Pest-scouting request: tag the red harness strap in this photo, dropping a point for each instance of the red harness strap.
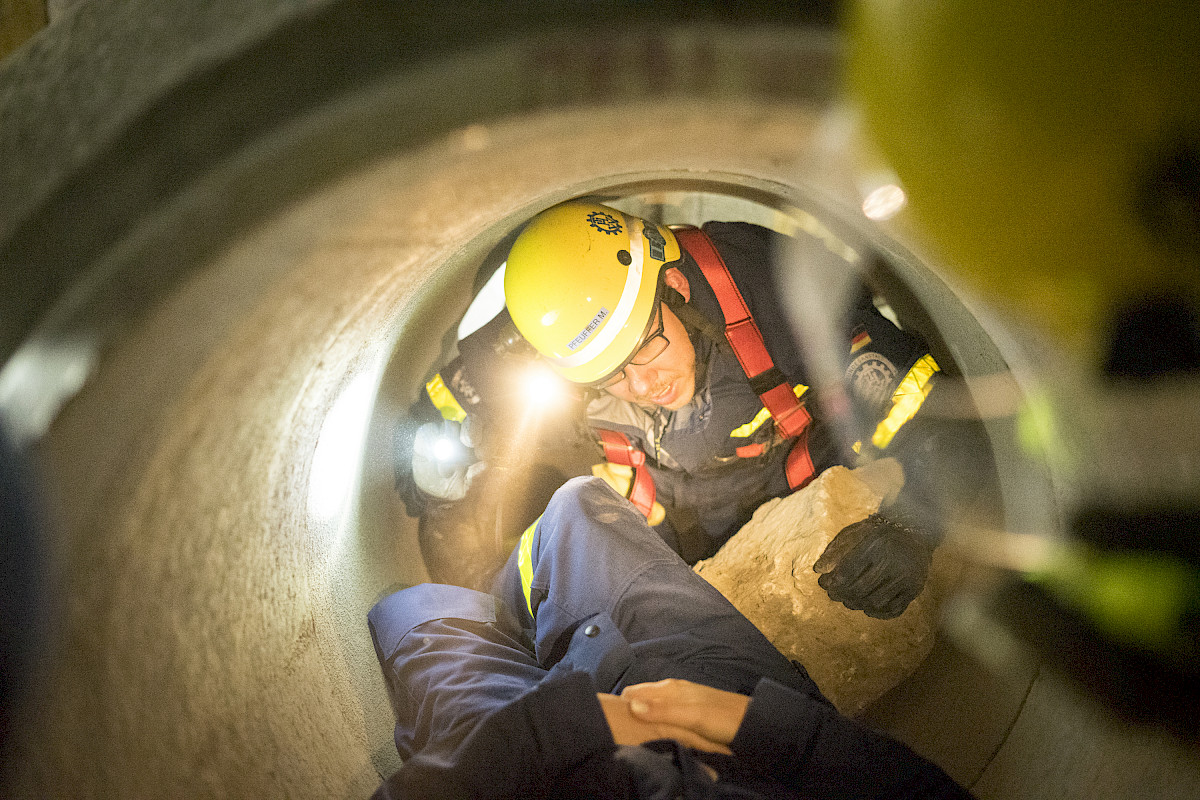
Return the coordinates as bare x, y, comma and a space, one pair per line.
777, 395
619, 450
790, 416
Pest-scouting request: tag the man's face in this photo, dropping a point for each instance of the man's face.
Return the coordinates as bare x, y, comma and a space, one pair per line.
669, 380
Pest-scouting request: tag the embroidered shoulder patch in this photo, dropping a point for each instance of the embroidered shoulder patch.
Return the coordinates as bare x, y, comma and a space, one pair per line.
871, 377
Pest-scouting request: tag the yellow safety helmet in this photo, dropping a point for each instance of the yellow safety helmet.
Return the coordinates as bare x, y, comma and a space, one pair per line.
581, 285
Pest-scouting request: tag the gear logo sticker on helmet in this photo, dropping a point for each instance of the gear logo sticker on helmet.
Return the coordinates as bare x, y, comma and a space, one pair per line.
605, 223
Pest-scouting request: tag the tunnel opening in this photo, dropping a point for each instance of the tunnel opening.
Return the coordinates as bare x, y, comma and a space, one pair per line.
548, 448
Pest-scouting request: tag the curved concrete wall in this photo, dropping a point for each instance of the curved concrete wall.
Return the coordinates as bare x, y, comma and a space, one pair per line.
224, 281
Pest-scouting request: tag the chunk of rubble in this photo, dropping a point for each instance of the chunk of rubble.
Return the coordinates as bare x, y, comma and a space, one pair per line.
766, 571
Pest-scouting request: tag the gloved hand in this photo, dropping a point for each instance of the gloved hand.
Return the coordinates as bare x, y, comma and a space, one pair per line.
876, 566
620, 477
443, 459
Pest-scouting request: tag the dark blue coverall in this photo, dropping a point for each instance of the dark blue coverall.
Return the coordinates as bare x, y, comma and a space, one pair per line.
492, 700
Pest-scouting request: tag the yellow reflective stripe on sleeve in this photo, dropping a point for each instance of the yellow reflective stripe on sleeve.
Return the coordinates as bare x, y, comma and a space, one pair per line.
743, 431
525, 563
906, 400
443, 400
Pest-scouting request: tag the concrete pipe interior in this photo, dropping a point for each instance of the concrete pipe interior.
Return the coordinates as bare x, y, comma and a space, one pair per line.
212, 404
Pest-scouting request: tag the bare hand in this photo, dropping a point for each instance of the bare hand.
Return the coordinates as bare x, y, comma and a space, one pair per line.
712, 714
628, 729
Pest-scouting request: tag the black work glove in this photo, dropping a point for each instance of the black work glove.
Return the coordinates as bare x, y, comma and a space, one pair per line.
876, 566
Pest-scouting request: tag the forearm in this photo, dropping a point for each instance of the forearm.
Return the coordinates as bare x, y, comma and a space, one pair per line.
804, 743
529, 748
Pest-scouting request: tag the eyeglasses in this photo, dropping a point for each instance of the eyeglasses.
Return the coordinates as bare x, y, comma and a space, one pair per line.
651, 348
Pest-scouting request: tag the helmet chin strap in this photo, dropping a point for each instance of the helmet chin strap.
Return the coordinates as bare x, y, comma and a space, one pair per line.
697, 325
691, 317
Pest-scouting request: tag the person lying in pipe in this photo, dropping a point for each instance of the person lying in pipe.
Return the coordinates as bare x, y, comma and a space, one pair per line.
601, 665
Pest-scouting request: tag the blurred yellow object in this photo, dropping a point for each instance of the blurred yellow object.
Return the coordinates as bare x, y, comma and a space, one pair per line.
1050, 152
620, 477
